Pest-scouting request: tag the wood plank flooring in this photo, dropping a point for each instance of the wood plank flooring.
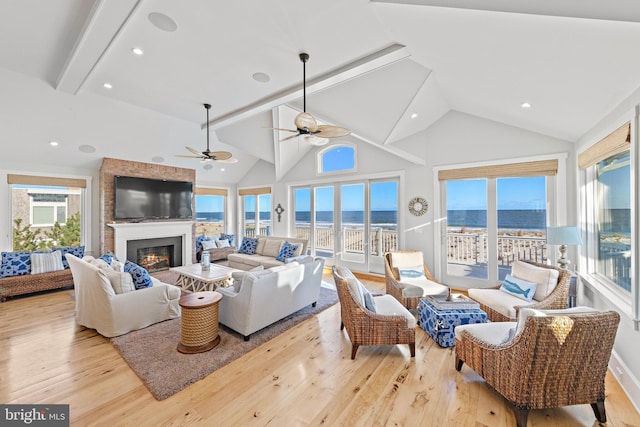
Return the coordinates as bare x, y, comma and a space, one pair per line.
303, 377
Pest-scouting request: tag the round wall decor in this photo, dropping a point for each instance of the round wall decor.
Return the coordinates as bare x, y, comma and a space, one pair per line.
418, 206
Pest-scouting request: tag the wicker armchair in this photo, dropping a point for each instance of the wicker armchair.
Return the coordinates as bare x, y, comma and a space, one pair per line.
556, 300
555, 361
399, 290
365, 327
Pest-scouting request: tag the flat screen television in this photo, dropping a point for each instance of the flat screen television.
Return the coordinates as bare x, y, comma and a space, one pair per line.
146, 199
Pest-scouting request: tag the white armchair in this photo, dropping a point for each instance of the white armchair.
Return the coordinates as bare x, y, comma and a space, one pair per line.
99, 307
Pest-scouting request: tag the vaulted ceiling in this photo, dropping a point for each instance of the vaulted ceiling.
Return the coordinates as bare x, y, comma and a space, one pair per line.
373, 65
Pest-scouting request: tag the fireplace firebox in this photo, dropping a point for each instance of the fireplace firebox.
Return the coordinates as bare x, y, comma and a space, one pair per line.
156, 254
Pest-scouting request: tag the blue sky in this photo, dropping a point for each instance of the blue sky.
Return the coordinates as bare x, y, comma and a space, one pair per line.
383, 197
513, 194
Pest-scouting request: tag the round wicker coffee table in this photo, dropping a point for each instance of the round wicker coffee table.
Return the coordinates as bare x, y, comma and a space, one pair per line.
199, 322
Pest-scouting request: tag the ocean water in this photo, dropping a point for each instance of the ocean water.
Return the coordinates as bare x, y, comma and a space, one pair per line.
349, 217
509, 219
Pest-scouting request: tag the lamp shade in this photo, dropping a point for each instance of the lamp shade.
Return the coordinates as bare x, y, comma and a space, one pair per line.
565, 235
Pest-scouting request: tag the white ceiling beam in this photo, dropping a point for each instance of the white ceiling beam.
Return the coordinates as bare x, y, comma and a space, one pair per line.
381, 58
104, 23
611, 10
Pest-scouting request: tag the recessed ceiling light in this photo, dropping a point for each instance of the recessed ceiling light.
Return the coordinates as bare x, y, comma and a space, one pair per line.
207, 166
53, 143
137, 51
261, 77
221, 169
162, 22
525, 105
108, 86
157, 159
414, 115
87, 148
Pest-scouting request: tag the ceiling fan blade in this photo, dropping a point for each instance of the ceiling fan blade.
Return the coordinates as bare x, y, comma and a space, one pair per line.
194, 151
306, 121
328, 131
289, 137
219, 155
189, 157
284, 130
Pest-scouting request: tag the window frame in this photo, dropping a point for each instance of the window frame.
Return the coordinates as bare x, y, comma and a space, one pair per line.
216, 192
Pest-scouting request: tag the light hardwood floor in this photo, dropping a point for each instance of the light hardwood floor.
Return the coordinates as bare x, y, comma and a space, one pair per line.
303, 377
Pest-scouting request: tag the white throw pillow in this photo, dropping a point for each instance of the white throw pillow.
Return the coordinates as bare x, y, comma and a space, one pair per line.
223, 243
117, 265
209, 244
121, 282
238, 277
272, 248
545, 278
46, 262
518, 287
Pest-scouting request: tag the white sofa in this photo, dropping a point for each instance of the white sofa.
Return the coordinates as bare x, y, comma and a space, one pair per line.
266, 296
266, 253
99, 307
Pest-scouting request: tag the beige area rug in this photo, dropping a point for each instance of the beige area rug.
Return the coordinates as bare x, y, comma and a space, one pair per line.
152, 353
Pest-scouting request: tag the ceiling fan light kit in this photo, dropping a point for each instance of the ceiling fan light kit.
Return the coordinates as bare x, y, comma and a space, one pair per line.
208, 155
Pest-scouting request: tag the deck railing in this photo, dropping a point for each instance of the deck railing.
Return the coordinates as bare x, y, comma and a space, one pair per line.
471, 249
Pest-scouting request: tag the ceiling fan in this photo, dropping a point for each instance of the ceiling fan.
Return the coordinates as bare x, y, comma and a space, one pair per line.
306, 124
208, 155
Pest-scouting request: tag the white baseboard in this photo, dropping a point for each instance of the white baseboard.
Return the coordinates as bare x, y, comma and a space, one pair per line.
629, 383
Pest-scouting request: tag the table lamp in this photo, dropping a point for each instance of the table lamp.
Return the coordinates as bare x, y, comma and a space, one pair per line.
563, 236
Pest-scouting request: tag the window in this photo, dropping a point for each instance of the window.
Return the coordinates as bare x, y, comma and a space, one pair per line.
211, 211
47, 212
256, 211
494, 215
337, 158
608, 213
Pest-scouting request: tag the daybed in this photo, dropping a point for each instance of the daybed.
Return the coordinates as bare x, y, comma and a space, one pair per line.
260, 298
265, 252
216, 250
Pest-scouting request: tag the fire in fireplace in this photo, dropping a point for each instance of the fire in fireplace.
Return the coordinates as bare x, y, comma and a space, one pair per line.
155, 258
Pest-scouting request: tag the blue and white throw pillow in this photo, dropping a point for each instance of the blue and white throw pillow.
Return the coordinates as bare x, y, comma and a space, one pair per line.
15, 264
248, 246
411, 272
141, 278
518, 288
77, 251
107, 257
286, 251
199, 241
229, 237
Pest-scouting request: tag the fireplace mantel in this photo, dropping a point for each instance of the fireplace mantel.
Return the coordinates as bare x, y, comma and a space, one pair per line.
124, 232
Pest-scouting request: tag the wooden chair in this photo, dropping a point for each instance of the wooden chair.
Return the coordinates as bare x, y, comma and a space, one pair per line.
365, 327
557, 299
557, 360
401, 291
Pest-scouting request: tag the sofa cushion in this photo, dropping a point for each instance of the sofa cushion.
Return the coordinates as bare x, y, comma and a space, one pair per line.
248, 245
46, 262
238, 277
260, 246
388, 305
269, 262
230, 237
141, 278
287, 250
545, 278
77, 251
15, 264
120, 281
518, 287
499, 301
272, 248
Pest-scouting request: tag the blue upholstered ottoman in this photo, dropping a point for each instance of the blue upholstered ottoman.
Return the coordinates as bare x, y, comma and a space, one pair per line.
439, 323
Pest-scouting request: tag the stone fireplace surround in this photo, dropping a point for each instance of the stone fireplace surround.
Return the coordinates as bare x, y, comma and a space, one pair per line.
109, 228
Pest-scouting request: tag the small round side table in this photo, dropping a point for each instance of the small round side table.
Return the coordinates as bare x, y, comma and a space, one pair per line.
199, 322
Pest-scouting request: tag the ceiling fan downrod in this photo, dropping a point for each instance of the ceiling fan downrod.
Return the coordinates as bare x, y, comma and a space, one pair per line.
304, 57
207, 106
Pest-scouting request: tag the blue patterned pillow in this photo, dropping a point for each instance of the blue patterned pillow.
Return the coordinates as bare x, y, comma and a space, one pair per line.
199, 241
77, 251
248, 246
229, 237
286, 251
141, 278
15, 264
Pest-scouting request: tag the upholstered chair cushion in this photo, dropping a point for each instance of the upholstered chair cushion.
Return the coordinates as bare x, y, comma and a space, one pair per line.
545, 278
389, 306
499, 301
495, 333
406, 259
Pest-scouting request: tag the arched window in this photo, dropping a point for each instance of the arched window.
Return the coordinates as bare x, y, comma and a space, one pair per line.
337, 158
